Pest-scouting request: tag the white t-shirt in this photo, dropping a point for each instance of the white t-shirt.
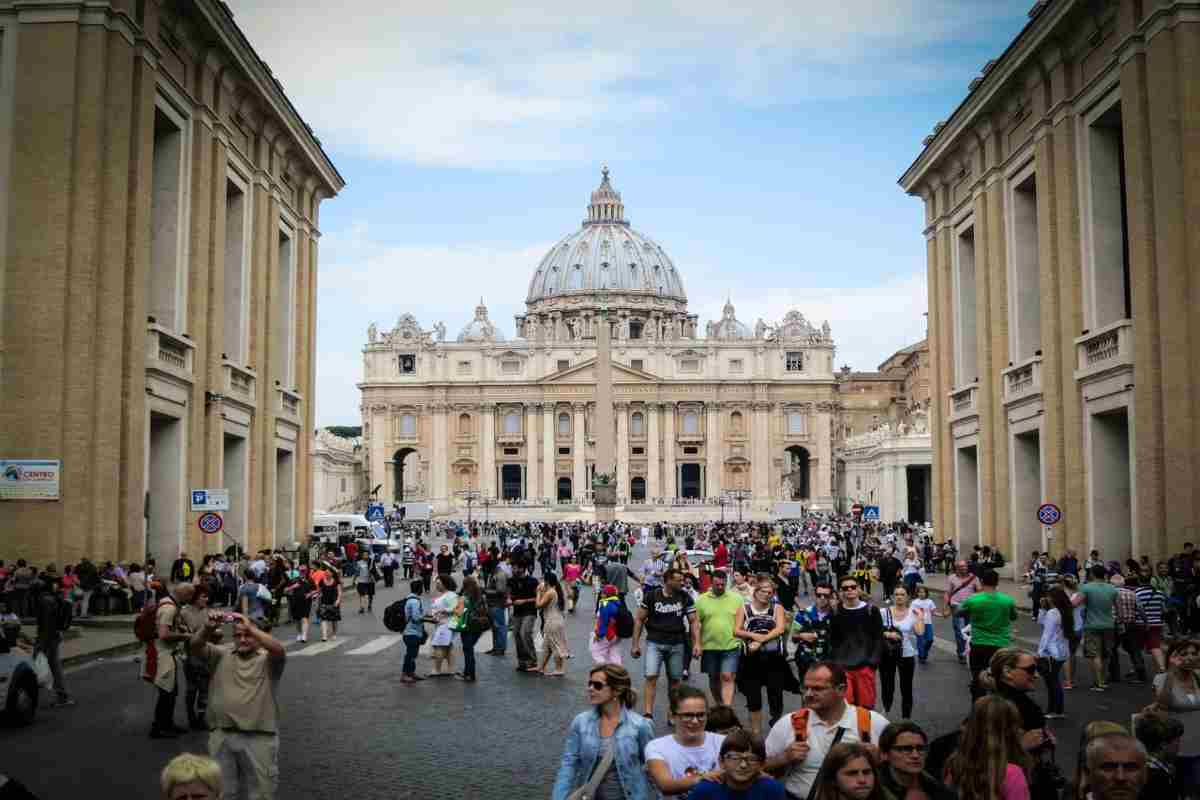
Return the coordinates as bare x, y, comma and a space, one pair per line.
907, 628
927, 607
800, 777
683, 761
1183, 701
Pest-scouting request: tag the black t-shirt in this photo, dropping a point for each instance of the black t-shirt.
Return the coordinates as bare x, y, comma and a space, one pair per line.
445, 563
1032, 716
523, 589
665, 616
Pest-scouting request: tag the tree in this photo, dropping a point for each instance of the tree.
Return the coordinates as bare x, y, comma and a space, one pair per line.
346, 431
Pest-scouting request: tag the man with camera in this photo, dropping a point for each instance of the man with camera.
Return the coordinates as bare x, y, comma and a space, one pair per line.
243, 708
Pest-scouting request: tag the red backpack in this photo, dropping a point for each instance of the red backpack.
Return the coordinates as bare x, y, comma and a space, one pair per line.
145, 627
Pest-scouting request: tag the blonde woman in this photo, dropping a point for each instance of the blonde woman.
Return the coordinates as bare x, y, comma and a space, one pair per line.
188, 776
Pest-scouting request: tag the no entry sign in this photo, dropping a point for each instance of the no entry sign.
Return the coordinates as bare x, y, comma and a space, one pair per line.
1049, 514
210, 522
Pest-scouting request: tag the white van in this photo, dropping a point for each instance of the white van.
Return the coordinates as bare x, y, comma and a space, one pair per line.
330, 526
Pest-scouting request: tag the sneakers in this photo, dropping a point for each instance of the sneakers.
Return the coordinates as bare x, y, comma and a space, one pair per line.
1056, 716
63, 702
1099, 688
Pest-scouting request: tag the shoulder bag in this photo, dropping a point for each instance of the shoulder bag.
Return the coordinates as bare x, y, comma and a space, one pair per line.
588, 790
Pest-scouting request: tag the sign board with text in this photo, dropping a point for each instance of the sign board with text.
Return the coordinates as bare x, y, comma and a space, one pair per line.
30, 479
210, 499
870, 514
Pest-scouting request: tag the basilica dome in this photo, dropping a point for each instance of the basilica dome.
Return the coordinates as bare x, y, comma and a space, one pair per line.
606, 255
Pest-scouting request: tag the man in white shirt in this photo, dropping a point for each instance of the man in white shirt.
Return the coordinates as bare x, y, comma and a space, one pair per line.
797, 759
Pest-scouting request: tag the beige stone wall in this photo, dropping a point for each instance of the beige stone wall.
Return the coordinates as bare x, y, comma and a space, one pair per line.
1111, 396
81, 368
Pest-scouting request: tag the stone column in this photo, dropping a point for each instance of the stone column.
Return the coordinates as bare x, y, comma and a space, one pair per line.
531, 420
712, 446
671, 487
623, 487
549, 453
822, 487
579, 476
379, 432
653, 468
439, 449
487, 450
760, 452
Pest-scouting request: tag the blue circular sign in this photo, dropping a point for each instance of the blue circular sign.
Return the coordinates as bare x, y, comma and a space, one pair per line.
1049, 514
210, 522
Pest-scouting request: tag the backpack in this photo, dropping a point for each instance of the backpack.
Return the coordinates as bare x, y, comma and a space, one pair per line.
145, 627
395, 617
478, 617
800, 724
64, 615
624, 621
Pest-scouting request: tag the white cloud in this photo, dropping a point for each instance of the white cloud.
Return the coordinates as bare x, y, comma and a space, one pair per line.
363, 280
480, 84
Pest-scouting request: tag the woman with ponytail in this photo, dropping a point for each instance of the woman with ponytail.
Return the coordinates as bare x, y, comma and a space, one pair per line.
605, 751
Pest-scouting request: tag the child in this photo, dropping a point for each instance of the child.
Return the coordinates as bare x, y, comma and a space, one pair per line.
863, 575
928, 609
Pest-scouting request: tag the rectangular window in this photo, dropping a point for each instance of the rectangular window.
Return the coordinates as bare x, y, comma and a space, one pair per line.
795, 361
464, 368
284, 303
510, 366
408, 364
639, 451
564, 451
635, 329
735, 366
637, 363
236, 285
408, 425
343, 484
1108, 237
166, 219
512, 451
965, 338
689, 365
1025, 309
563, 364
795, 423
691, 451
512, 423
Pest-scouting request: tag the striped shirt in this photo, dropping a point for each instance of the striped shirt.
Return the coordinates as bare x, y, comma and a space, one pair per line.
1151, 605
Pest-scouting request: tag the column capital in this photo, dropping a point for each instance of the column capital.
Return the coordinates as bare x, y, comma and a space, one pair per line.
761, 406
379, 408
579, 408
487, 406
534, 407
621, 405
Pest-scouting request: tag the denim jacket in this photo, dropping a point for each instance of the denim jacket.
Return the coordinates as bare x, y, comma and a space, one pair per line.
583, 748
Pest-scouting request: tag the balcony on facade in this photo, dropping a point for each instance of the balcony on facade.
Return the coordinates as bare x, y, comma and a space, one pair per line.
1104, 351
964, 402
1022, 381
289, 404
239, 383
169, 353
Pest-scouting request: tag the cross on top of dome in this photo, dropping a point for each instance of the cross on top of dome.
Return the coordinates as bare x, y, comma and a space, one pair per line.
606, 206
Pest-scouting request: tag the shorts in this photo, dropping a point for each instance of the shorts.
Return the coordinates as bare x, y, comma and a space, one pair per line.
366, 590
860, 687
714, 662
673, 655
1098, 644
1152, 637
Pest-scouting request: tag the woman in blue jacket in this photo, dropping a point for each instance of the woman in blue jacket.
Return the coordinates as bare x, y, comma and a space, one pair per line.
609, 726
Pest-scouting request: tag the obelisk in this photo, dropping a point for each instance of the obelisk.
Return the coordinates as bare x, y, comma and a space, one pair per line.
606, 430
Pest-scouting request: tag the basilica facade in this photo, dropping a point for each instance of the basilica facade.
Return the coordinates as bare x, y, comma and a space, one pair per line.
699, 410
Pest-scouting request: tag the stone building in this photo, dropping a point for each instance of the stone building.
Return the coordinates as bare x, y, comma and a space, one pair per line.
159, 202
698, 410
337, 473
1060, 207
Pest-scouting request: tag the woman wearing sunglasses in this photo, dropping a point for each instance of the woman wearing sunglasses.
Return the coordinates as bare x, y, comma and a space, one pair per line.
742, 757
605, 753
679, 761
904, 748
1013, 675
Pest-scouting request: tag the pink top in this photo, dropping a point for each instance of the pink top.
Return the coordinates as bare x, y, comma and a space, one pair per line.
571, 572
1015, 785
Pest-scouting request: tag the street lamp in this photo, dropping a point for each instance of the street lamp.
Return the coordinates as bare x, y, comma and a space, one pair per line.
487, 503
738, 495
470, 495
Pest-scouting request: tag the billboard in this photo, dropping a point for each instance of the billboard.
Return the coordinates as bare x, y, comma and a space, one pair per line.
29, 479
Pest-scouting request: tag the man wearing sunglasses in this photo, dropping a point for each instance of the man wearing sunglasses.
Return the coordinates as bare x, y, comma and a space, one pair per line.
904, 748
810, 629
856, 642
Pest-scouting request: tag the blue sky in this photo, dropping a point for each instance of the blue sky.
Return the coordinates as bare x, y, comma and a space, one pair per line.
758, 142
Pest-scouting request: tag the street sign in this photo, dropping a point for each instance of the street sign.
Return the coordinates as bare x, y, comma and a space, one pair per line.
210, 522
375, 512
1049, 514
870, 514
210, 499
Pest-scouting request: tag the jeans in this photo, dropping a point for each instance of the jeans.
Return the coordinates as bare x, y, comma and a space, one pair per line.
469, 638
412, 645
499, 628
1051, 670
910, 583
925, 643
1129, 640
196, 695
981, 659
888, 667
164, 709
960, 643
523, 634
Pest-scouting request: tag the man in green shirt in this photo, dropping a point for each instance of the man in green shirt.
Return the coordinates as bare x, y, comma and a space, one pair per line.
991, 614
1098, 598
717, 610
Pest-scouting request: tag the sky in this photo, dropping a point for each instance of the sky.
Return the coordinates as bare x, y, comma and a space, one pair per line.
758, 142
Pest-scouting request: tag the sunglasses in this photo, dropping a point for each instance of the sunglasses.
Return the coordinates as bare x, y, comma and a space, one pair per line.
910, 749
1031, 669
693, 716
597, 685
850, 588
824, 594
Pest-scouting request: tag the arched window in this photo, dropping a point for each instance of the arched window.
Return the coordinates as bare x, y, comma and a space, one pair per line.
637, 424
464, 425
408, 425
691, 423
512, 422
735, 422
564, 424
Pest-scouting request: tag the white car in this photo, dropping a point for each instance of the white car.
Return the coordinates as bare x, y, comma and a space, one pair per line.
18, 687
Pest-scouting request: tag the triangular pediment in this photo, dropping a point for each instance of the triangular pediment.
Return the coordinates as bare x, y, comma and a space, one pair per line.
585, 372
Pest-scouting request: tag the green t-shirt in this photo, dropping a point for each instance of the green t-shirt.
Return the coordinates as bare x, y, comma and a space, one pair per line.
717, 616
991, 615
1099, 598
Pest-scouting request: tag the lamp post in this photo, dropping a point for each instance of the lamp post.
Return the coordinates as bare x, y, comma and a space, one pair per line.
738, 495
470, 495
487, 503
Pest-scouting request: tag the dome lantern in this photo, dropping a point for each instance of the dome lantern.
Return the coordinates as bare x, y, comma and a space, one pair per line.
606, 206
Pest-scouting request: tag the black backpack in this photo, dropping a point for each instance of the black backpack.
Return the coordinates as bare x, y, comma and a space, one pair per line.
624, 622
394, 617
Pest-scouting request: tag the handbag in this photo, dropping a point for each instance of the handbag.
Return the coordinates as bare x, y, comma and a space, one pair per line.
41, 668
892, 646
588, 790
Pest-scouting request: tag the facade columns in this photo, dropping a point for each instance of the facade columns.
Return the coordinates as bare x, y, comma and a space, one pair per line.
623, 485
531, 420
822, 487
760, 452
549, 431
438, 494
379, 422
671, 489
653, 467
487, 450
579, 476
712, 447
